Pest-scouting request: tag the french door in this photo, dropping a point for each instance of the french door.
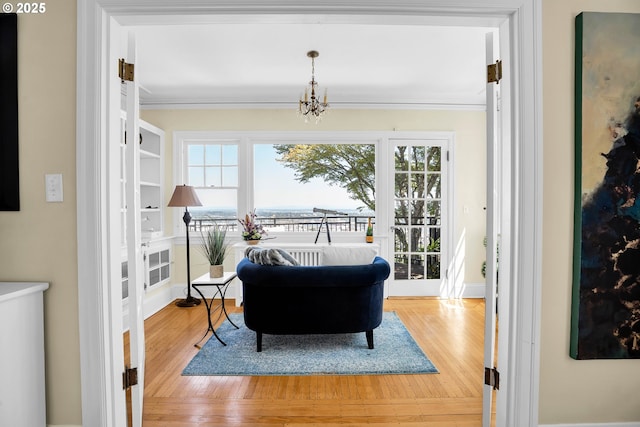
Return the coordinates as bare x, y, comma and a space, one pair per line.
420, 229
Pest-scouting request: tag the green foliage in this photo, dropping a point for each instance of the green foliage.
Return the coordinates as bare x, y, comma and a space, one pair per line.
214, 245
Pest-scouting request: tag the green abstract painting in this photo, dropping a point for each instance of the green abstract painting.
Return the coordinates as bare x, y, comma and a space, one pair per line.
605, 320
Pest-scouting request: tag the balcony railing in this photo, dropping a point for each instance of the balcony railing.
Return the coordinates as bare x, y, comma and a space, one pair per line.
296, 224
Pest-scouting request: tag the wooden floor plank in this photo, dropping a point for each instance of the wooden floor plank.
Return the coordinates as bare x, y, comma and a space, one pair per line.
449, 332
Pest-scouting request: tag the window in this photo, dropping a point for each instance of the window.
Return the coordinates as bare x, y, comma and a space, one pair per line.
291, 179
211, 167
283, 177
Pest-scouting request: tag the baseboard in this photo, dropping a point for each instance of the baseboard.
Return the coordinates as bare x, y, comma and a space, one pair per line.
63, 425
473, 290
633, 424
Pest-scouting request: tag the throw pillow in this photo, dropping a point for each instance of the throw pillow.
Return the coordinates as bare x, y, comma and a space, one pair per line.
332, 255
269, 256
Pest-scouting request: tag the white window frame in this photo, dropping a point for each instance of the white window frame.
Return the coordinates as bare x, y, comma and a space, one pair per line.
246, 141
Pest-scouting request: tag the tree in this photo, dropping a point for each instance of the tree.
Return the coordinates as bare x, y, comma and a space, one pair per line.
349, 166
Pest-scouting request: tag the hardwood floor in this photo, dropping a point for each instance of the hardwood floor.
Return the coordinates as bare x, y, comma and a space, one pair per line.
450, 333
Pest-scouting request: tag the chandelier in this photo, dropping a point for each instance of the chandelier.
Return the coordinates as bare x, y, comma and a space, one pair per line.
311, 106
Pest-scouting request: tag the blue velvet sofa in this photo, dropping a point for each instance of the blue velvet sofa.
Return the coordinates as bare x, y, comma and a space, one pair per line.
326, 299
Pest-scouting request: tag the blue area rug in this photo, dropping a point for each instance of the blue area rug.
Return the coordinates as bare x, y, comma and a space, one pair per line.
395, 352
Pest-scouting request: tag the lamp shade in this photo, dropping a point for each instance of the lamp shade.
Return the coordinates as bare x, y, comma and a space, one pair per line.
184, 195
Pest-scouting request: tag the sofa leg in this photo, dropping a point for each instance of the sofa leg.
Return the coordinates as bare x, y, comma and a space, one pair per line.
370, 339
259, 341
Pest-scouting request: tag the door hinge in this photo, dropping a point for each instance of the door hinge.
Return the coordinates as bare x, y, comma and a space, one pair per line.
494, 72
447, 155
492, 378
125, 70
129, 377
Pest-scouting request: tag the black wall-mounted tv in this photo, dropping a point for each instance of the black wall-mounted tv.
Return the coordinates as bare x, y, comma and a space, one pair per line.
9, 176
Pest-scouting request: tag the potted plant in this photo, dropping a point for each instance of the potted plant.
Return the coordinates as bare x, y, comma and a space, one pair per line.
215, 247
251, 231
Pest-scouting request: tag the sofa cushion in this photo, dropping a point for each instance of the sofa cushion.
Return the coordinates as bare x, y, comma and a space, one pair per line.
334, 255
270, 256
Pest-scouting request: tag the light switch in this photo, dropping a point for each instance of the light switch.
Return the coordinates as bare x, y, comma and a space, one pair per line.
53, 187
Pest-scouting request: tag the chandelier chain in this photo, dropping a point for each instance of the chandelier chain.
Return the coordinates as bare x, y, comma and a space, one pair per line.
311, 106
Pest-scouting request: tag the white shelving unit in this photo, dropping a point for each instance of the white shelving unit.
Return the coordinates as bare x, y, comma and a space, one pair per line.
156, 249
151, 180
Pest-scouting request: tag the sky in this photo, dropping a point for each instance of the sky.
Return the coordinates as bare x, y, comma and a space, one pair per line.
275, 186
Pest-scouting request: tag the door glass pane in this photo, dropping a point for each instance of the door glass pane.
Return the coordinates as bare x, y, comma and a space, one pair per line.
401, 244
402, 212
433, 266
417, 212
401, 160
401, 269
417, 267
402, 185
417, 158
417, 239
433, 213
433, 159
434, 239
434, 186
417, 185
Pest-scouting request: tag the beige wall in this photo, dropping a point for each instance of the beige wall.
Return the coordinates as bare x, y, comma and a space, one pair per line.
570, 391
39, 242
469, 128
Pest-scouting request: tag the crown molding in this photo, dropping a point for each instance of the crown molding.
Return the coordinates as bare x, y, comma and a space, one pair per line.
213, 105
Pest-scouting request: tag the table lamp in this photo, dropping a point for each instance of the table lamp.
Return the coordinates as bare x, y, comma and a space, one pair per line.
185, 195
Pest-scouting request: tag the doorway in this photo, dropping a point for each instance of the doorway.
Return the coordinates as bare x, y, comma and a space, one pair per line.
420, 225
99, 390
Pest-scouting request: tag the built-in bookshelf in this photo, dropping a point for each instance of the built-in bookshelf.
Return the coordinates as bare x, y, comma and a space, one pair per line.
151, 182
156, 250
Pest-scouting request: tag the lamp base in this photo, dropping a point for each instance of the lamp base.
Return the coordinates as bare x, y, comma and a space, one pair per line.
188, 302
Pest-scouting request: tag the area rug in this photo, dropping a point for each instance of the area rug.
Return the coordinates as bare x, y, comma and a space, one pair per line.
395, 352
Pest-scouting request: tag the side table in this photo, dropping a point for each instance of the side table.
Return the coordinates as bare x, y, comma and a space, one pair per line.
221, 284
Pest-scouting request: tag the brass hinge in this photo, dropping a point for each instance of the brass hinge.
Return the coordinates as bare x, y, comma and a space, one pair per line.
494, 72
125, 70
129, 377
492, 378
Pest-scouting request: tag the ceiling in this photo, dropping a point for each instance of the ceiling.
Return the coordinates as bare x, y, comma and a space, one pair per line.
265, 65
